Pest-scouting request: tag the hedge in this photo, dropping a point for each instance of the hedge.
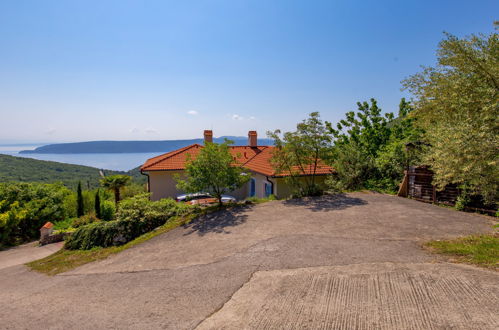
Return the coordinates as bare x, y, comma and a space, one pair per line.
136, 216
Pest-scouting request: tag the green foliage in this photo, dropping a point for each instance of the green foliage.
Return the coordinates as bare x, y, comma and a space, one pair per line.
369, 149
213, 172
97, 205
79, 201
19, 169
457, 102
25, 207
115, 183
107, 210
136, 216
302, 151
84, 220
133, 189
63, 224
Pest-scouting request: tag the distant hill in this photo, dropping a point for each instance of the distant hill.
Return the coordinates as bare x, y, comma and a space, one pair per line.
33, 170
95, 147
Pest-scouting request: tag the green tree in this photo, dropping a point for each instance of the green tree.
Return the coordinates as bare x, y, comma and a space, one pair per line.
97, 205
213, 171
115, 183
369, 147
25, 207
79, 201
302, 151
457, 103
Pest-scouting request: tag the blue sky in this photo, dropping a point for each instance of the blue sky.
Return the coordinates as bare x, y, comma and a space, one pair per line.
149, 70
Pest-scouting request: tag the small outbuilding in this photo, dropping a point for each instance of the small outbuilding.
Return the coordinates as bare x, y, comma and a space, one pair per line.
46, 230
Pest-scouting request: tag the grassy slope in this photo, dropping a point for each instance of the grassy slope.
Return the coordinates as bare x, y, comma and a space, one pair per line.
33, 170
65, 260
480, 250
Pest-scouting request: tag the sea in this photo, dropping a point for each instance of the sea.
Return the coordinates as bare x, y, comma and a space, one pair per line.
112, 161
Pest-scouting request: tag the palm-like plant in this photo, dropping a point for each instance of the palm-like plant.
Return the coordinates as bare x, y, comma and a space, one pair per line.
115, 183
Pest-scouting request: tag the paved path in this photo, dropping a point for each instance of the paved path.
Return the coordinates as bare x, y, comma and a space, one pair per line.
27, 252
205, 274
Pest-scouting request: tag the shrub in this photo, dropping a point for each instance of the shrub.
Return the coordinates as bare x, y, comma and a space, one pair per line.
136, 216
107, 210
25, 207
84, 220
64, 224
257, 200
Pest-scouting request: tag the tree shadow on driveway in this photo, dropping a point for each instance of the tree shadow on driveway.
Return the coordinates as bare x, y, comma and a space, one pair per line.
218, 222
326, 202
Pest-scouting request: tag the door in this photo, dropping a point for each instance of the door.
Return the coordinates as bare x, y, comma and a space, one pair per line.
252, 187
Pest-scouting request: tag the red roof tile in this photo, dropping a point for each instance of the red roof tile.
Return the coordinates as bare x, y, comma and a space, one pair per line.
48, 225
256, 159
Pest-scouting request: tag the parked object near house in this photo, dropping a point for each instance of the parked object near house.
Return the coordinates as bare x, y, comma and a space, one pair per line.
192, 198
264, 179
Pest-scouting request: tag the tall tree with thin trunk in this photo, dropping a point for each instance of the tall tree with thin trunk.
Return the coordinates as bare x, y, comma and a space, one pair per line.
302, 151
79, 201
97, 204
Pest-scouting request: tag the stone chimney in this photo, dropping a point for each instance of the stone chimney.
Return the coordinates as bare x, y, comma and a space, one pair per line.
208, 136
252, 139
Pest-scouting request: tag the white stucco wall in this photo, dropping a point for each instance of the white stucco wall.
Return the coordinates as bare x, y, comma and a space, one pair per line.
163, 185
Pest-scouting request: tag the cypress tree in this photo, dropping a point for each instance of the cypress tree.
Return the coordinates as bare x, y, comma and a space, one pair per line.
97, 204
79, 201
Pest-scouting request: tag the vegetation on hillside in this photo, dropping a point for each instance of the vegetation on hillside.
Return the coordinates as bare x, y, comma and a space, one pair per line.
25, 207
18, 169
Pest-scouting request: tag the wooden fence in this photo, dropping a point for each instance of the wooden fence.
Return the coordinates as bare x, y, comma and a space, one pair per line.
417, 184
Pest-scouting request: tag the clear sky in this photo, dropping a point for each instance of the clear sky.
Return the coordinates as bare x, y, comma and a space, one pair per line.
149, 70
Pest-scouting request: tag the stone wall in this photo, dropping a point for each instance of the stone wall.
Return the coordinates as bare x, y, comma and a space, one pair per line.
53, 238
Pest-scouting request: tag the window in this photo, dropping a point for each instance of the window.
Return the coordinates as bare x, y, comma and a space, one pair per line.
268, 189
252, 187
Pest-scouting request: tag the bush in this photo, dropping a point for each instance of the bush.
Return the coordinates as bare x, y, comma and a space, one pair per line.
84, 220
136, 216
107, 210
64, 224
25, 207
257, 200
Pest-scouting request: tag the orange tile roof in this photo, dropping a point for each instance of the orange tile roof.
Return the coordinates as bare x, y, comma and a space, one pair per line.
48, 225
256, 159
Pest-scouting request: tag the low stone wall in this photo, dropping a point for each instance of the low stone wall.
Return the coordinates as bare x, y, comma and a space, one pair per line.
53, 238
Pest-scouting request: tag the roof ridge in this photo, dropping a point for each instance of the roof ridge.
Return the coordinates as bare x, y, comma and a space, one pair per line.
171, 154
256, 154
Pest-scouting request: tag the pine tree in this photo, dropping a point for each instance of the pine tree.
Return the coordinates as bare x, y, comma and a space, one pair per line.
79, 201
97, 204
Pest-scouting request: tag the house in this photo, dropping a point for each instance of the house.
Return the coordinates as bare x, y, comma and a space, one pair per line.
264, 181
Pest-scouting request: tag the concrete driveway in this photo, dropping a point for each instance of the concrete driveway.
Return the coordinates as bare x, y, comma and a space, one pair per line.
27, 252
351, 261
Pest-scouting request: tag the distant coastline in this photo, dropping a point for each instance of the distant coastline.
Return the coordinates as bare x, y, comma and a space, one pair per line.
118, 147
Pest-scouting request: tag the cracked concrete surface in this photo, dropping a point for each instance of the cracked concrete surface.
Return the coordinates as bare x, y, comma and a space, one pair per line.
180, 279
